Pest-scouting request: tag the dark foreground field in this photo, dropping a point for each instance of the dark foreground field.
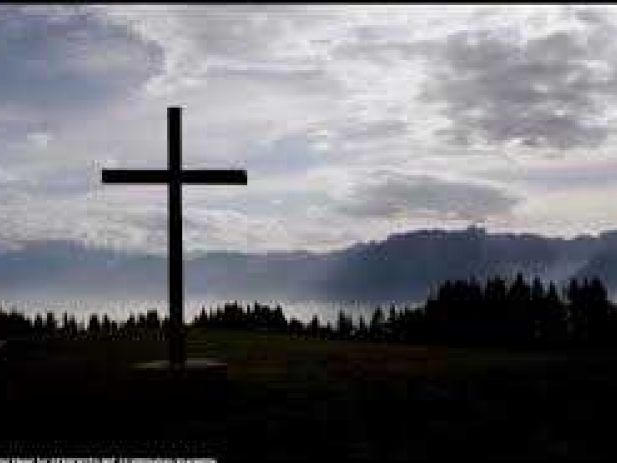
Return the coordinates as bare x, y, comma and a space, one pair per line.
291, 399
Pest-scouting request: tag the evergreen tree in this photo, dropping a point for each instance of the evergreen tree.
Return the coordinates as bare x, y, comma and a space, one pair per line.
94, 326
518, 314
344, 326
376, 329
390, 326
105, 326
538, 308
39, 327
577, 322
51, 325
296, 327
314, 327
597, 312
153, 324
362, 331
65, 324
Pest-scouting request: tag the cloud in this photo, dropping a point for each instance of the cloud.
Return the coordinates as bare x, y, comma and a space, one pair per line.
505, 85
390, 194
314, 100
52, 63
40, 139
135, 222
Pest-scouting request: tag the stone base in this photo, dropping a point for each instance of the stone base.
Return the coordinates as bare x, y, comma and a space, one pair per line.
202, 381
192, 366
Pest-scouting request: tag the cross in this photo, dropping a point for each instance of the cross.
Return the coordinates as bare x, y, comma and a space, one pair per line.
174, 176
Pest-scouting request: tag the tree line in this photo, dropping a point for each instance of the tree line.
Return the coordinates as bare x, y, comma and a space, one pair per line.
140, 326
514, 312
459, 312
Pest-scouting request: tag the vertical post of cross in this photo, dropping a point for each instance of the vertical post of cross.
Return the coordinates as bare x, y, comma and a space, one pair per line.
176, 334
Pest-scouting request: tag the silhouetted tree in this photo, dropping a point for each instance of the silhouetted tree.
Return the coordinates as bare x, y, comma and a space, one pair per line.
597, 312
51, 325
296, 327
344, 326
106, 326
39, 327
314, 327
376, 328
153, 324
552, 318
362, 331
94, 326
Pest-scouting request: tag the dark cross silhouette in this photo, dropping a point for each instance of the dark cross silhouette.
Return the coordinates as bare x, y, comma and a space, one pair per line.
174, 177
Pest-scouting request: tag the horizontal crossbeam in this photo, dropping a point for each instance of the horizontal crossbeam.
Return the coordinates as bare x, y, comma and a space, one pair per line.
135, 176
208, 176
214, 176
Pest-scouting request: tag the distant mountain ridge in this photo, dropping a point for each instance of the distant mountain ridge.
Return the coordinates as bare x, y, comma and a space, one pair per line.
403, 267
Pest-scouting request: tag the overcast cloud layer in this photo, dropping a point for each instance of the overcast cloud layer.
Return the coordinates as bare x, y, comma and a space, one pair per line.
353, 121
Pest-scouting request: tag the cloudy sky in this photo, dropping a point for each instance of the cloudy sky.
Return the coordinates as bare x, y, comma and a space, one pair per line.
353, 122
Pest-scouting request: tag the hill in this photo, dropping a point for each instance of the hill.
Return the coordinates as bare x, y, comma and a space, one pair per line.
403, 267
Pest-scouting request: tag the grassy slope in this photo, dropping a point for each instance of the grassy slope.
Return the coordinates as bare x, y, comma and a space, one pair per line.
300, 399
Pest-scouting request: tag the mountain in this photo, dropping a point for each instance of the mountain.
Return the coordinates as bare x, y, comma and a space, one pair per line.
404, 267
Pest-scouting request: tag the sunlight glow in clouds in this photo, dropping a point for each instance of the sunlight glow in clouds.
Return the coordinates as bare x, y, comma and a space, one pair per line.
353, 122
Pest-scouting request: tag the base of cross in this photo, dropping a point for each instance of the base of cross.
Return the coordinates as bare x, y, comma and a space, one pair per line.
195, 381
202, 365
